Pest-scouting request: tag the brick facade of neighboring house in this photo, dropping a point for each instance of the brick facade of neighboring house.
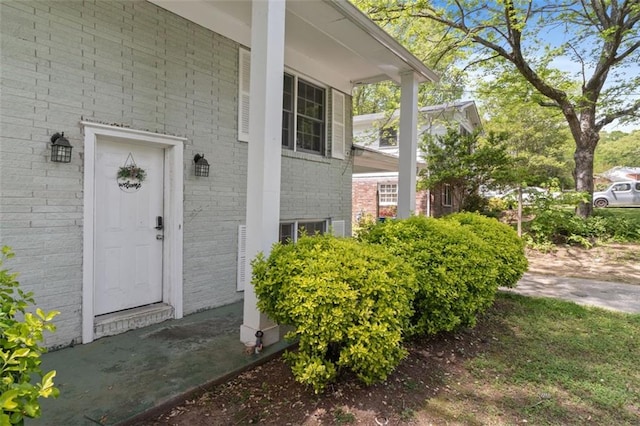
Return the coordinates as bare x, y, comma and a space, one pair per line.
366, 198
367, 187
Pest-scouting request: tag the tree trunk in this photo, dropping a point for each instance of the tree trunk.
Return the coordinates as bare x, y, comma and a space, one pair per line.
583, 157
519, 211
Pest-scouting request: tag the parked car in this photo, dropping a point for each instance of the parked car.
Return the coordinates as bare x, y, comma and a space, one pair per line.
528, 195
619, 194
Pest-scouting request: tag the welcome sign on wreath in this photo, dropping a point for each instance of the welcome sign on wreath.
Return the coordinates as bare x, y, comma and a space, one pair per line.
130, 176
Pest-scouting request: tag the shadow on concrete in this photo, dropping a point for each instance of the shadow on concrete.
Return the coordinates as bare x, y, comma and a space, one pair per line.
116, 378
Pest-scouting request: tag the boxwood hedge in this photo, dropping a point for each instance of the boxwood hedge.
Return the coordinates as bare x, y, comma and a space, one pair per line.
504, 245
458, 273
348, 302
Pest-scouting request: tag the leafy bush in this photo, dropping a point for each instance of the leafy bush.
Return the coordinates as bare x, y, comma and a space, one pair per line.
556, 226
457, 272
364, 222
20, 351
475, 202
622, 225
349, 304
495, 206
503, 242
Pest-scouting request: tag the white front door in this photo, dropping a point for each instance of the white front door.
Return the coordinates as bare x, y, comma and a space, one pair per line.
128, 247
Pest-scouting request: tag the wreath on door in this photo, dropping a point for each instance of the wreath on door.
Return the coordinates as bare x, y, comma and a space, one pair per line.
130, 175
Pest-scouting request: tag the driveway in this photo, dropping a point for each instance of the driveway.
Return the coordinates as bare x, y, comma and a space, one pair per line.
603, 294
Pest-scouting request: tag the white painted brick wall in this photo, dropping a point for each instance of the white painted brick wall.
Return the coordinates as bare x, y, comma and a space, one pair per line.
132, 64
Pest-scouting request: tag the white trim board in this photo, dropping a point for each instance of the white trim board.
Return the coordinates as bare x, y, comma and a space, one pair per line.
173, 213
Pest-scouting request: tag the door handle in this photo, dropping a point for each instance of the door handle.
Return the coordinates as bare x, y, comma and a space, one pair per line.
159, 225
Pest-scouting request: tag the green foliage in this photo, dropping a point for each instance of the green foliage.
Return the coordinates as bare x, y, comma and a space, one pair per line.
555, 222
457, 272
617, 149
424, 40
132, 172
563, 226
537, 138
364, 222
20, 351
504, 244
342, 417
464, 162
349, 304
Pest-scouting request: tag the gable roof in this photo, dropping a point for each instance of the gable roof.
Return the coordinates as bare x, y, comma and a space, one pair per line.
331, 40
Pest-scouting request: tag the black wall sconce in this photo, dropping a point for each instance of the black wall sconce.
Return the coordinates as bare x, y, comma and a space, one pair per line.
202, 165
60, 149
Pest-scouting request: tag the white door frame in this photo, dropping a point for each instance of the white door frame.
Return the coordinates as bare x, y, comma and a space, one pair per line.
173, 214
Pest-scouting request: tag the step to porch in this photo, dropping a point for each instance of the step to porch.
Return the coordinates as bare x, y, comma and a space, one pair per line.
119, 322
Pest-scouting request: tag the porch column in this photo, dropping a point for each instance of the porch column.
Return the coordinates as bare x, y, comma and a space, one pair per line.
408, 145
264, 157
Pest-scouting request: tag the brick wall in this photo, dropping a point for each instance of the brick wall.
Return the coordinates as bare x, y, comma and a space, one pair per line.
132, 64
364, 196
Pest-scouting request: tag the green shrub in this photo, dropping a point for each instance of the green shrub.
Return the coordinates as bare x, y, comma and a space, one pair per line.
503, 242
621, 225
20, 351
495, 207
457, 272
563, 226
349, 304
475, 202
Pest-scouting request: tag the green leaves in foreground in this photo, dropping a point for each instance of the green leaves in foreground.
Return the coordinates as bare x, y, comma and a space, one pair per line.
20, 351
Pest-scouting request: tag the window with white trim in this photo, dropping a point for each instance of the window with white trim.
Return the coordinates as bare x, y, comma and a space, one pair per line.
388, 137
303, 115
388, 194
446, 195
291, 231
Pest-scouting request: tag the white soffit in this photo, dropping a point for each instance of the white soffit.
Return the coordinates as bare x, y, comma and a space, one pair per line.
328, 40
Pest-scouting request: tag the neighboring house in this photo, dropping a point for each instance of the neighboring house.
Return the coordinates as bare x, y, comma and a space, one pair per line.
375, 192
620, 173
154, 86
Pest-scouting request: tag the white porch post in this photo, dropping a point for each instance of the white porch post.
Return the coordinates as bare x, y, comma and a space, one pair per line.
408, 145
265, 146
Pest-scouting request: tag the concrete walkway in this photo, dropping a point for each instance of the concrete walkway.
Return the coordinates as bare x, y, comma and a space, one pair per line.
603, 294
113, 379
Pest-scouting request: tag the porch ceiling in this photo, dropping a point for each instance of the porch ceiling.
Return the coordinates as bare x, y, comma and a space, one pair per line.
330, 40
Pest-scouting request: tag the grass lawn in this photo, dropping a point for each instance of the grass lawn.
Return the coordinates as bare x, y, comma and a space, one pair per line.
631, 214
550, 362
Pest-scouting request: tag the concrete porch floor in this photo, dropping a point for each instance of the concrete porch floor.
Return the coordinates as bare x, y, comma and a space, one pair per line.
116, 378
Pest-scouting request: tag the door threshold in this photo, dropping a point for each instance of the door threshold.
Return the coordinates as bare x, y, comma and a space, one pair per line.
118, 322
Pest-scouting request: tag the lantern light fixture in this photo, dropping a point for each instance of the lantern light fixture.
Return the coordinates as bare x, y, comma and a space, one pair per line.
60, 148
202, 165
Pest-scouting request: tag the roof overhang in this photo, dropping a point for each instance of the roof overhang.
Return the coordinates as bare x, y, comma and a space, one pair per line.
329, 40
369, 160
426, 112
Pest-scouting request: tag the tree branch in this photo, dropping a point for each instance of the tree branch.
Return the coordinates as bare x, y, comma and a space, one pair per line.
609, 118
627, 52
582, 66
